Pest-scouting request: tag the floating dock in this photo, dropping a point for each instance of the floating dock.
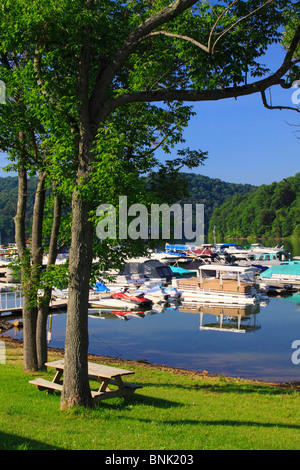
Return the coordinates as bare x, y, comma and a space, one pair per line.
12, 303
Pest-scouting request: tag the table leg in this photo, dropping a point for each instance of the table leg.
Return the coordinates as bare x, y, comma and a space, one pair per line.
120, 384
103, 384
57, 377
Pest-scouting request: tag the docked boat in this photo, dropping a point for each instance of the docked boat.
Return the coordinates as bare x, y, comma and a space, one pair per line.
6, 271
131, 298
286, 275
137, 272
231, 250
278, 253
220, 284
257, 254
157, 293
111, 303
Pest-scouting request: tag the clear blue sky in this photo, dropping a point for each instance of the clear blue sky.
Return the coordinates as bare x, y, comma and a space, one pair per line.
246, 142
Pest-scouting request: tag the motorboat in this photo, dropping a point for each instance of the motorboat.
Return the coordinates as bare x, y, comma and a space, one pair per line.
259, 251
137, 272
158, 293
111, 303
131, 298
220, 283
154, 292
6, 271
286, 275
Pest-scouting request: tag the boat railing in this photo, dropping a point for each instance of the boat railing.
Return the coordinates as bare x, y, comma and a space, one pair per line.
11, 300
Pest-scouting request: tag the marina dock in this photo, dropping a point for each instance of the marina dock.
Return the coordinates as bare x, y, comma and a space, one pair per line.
13, 306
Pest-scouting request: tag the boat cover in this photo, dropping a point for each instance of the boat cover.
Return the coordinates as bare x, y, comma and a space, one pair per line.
290, 268
100, 287
151, 269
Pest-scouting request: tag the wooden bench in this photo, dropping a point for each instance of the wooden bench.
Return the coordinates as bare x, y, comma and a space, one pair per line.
43, 384
105, 375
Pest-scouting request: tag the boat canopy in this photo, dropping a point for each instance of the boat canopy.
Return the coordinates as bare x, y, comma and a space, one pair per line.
151, 269
226, 268
178, 247
290, 268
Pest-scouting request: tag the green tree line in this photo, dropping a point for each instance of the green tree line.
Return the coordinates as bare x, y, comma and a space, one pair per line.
212, 192
201, 189
8, 206
268, 211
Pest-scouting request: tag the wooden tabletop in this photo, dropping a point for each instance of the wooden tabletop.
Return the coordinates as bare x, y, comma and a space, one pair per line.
96, 370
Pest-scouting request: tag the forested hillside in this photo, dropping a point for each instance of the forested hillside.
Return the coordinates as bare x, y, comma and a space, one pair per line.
268, 211
212, 192
202, 190
8, 206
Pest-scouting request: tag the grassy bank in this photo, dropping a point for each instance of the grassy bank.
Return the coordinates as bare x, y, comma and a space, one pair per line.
175, 410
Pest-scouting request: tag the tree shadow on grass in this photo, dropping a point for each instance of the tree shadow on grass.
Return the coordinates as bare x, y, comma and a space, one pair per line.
121, 403
14, 442
224, 423
228, 386
250, 424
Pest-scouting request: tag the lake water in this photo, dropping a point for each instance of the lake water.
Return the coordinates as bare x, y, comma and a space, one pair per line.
259, 348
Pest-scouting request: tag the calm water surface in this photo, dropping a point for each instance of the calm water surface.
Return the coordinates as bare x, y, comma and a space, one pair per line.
173, 337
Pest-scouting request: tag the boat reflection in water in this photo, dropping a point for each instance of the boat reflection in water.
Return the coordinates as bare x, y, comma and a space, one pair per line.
111, 314
234, 319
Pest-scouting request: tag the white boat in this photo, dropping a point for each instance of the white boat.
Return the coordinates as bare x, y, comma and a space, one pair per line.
111, 303
256, 253
220, 284
137, 272
158, 293
286, 275
155, 293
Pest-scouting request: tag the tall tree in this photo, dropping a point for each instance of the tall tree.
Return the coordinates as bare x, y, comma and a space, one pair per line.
33, 149
101, 95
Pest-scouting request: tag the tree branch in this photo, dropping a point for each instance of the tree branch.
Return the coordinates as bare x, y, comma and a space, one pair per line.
106, 76
216, 23
179, 36
236, 22
268, 106
211, 95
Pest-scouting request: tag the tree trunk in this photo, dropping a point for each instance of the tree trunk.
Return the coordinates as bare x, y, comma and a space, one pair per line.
43, 311
29, 337
76, 389
29, 312
41, 329
30, 269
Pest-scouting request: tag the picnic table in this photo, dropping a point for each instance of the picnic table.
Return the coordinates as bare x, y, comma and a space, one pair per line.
105, 375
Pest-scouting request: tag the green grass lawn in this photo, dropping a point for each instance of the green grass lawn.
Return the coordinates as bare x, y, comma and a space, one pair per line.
172, 411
